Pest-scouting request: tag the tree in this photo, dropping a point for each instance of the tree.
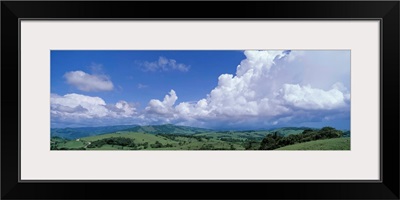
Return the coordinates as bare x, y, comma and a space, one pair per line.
157, 144
307, 131
268, 142
329, 132
274, 140
251, 145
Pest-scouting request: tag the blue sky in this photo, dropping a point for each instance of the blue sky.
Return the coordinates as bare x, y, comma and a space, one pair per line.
212, 89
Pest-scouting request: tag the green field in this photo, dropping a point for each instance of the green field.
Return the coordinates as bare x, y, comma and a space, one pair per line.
327, 144
290, 138
168, 142
71, 144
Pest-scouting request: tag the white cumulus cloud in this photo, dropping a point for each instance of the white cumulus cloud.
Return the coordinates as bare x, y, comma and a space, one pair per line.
88, 82
164, 107
77, 106
266, 88
306, 97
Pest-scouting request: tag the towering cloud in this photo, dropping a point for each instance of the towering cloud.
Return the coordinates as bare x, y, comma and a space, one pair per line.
265, 89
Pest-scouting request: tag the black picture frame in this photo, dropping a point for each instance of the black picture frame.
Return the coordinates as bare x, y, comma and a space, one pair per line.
386, 11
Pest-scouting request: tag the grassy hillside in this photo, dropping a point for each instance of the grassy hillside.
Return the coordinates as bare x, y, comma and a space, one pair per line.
170, 137
132, 135
327, 144
144, 141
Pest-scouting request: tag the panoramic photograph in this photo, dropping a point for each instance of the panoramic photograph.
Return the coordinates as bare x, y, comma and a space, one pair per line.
162, 100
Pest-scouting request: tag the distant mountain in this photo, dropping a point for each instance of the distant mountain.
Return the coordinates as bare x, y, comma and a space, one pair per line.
73, 133
167, 129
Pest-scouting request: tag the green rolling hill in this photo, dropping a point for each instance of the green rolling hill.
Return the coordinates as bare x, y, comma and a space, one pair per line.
326, 144
171, 137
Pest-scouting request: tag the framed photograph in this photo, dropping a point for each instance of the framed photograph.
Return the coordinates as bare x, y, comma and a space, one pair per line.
287, 96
